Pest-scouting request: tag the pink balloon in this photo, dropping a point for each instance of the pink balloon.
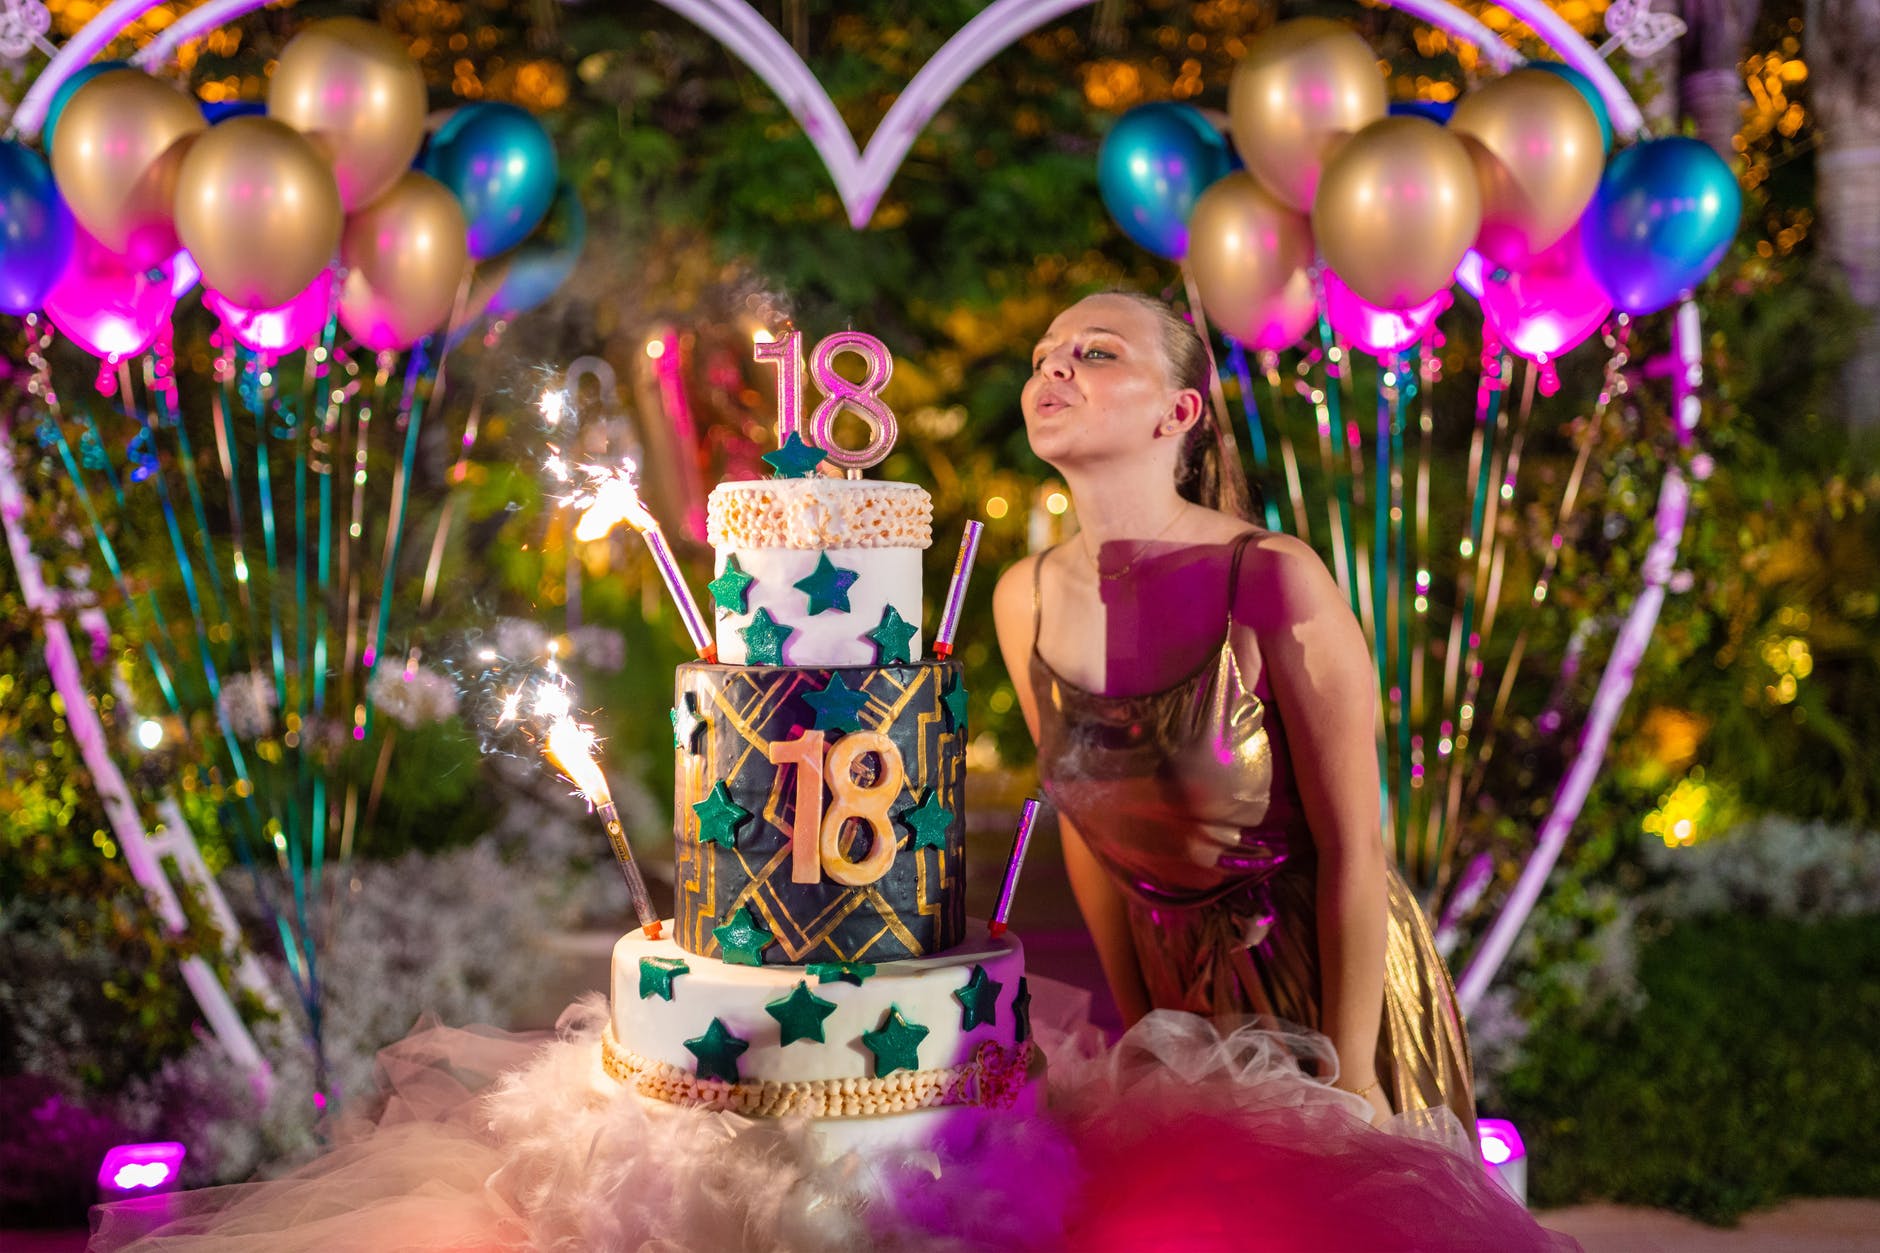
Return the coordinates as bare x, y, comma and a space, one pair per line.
106, 305
293, 325
1378, 331
1549, 306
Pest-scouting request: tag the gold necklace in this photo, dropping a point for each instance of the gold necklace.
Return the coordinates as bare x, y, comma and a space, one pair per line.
1131, 563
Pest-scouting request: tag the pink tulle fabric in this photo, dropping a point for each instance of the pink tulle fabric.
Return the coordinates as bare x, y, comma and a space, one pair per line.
1185, 1135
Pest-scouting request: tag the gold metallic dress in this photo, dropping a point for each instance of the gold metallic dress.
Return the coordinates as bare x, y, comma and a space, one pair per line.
1187, 799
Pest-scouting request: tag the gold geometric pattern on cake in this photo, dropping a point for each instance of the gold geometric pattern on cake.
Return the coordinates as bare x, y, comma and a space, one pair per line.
826, 922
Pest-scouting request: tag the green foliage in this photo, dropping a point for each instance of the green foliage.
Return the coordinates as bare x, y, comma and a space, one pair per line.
1748, 1077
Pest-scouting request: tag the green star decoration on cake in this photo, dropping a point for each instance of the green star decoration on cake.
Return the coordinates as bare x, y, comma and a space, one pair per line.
897, 1045
763, 640
657, 974
719, 817
686, 724
742, 941
1021, 1013
794, 459
731, 590
892, 638
841, 972
827, 588
837, 707
717, 1052
801, 1014
955, 702
929, 821
979, 999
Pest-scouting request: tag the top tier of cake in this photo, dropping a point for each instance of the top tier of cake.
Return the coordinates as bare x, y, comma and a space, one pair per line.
818, 571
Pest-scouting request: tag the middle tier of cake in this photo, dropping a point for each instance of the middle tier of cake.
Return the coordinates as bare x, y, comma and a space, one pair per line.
818, 813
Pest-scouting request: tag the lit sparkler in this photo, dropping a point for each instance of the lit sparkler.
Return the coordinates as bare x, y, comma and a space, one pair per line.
570, 747
611, 498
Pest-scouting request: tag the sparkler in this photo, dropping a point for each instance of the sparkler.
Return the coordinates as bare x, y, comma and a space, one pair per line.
956, 590
570, 747
611, 498
1021, 842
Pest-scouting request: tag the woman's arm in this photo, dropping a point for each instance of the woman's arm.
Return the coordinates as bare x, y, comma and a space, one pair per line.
1099, 900
1320, 673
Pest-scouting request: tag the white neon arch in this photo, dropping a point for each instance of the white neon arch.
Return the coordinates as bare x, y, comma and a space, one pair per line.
861, 175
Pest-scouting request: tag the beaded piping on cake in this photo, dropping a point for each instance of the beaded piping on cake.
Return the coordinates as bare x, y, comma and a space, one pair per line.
818, 513
993, 1079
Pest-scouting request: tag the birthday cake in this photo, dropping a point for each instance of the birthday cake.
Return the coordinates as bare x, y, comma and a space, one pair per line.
820, 961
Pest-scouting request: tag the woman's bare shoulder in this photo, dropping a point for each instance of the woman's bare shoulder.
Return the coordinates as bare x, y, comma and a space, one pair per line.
1011, 595
1283, 579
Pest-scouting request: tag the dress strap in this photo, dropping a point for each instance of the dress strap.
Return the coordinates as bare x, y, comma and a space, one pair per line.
1037, 597
1233, 575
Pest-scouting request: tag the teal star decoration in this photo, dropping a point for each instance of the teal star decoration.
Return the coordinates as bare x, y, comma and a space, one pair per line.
828, 587
892, 638
837, 707
717, 1052
897, 1045
719, 817
687, 726
801, 1014
979, 999
1021, 1013
955, 702
929, 821
794, 459
742, 940
657, 974
763, 640
731, 590
841, 972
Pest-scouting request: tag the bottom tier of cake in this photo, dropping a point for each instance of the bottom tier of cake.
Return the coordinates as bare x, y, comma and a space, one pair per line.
905, 1053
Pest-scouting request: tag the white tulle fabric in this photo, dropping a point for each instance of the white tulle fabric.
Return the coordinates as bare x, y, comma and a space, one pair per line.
1184, 1135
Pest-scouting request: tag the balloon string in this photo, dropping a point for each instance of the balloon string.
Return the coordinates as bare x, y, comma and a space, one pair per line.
420, 375
1429, 370
1323, 412
1399, 602
1256, 435
185, 567
315, 455
1289, 456
222, 406
354, 538
1380, 590
263, 381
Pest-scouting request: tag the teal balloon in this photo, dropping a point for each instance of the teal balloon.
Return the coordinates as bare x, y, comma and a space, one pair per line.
1153, 165
1663, 217
35, 229
500, 164
542, 264
69, 88
1588, 92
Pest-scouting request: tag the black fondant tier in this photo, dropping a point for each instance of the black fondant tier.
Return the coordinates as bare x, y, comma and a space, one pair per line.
739, 871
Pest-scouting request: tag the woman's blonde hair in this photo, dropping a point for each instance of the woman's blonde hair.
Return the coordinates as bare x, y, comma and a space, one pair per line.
1208, 469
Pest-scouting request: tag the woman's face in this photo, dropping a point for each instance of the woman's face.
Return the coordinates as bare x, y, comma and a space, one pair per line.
1099, 386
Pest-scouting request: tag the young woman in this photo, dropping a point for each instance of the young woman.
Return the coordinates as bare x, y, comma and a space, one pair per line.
1204, 708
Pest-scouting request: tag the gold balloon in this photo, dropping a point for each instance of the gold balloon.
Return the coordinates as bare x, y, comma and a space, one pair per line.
406, 256
1396, 211
258, 209
351, 87
1303, 88
115, 155
1250, 257
1538, 157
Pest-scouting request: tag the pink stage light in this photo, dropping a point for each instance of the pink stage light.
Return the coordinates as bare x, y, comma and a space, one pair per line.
1504, 1156
141, 1168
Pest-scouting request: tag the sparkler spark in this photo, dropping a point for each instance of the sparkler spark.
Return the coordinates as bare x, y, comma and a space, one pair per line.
610, 498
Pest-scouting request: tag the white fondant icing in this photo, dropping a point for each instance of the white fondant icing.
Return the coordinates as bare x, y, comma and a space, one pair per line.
886, 576
922, 988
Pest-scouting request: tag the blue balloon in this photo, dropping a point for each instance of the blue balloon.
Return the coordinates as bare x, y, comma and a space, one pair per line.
500, 164
1437, 111
543, 264
1154, 164
1662, 219
35, 229
214, 111
1583, 85
69, 88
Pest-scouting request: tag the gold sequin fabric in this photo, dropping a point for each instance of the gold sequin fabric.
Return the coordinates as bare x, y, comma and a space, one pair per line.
1186, 798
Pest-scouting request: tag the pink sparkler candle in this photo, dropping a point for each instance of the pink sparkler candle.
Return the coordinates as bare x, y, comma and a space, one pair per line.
956, 591
1021, 841
611, 499
569, 746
